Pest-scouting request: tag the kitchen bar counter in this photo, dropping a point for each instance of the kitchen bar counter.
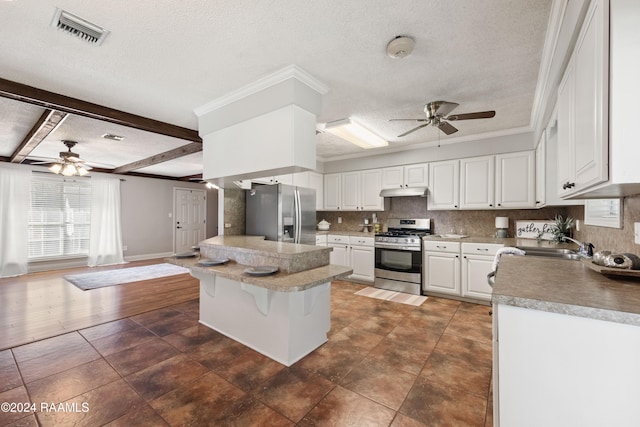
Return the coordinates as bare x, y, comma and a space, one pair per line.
284, 316
566, 287
280, 281
254, 251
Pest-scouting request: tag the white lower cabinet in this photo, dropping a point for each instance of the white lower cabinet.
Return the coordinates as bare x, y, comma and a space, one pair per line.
321, 240
458, 269
355, 252
477, 262
362, 258
441, 268
553, 369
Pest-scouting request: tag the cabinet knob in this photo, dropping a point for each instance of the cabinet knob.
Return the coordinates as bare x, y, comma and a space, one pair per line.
499, 204
455, 206
491, 205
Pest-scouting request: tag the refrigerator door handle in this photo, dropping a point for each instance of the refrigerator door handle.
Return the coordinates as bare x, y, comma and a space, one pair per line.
298, 215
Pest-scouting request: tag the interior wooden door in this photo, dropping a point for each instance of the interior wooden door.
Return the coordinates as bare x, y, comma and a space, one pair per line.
190, 214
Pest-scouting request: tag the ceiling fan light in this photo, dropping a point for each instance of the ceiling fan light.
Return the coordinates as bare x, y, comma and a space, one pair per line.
69, 169
81, 171
55, 168
355, 133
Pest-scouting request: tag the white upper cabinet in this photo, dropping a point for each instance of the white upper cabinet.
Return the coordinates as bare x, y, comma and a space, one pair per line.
583, 105
504, 181
314, 180
332, 192
350, 189
515, 180
541, 171
477, 183
371, 184
444, 187
353, 191
406, 176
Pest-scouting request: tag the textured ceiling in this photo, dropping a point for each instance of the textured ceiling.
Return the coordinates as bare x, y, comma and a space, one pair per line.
164, 58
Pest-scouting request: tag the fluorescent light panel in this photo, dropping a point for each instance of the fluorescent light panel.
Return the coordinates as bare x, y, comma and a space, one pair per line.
355, 133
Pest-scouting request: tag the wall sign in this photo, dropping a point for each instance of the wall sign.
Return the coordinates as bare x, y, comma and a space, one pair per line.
535, 229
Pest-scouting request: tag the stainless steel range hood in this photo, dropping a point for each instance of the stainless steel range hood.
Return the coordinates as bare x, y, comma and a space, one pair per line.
403, 192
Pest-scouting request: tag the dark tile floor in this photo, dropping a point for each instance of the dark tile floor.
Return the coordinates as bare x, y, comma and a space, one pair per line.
385, 364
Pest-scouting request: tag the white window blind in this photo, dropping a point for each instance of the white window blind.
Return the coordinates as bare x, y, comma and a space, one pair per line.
60, 217
603, 213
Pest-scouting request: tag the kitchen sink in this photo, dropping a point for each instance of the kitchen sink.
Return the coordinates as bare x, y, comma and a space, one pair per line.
561, 253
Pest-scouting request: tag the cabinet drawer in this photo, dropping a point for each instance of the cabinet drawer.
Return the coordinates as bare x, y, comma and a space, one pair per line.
488, 249
361, 241
321, 239
438, 246
338, 238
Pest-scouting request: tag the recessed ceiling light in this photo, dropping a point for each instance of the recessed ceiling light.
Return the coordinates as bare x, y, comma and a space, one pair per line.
113, 137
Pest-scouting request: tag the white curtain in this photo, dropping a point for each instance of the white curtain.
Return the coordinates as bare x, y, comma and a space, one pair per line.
15, 201
105, 246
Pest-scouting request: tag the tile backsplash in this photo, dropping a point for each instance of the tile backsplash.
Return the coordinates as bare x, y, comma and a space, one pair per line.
477, 223
612, 239
472, 222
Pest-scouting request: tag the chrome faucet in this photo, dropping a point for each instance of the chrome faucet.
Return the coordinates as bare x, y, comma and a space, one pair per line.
586, 249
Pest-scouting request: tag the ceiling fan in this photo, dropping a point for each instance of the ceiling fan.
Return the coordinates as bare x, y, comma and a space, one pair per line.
437, 111
70, 163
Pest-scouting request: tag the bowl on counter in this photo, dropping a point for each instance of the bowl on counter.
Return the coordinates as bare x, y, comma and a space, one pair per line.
324, 225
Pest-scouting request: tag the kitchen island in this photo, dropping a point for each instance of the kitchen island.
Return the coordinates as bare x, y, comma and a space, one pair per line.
566, 343
285, 315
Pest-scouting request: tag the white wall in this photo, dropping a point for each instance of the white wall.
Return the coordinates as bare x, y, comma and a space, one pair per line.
147, 229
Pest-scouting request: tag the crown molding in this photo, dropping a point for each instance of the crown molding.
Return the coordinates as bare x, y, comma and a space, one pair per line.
288, 72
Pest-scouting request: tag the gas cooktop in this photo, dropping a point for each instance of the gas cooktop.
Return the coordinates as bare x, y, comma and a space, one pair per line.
407, 228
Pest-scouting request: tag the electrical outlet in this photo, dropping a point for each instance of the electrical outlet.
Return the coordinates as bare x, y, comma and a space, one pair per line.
578, 224
124, 248
339, 220
636, 232
227, 225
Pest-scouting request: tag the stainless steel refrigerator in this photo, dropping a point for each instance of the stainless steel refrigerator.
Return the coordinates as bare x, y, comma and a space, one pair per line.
283, 213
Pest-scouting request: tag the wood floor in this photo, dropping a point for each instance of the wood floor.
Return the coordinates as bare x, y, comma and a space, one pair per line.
42, 305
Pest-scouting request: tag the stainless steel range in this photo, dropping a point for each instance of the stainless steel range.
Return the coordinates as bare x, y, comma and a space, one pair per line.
399, 255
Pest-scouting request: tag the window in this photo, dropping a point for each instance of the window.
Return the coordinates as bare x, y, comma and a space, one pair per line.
603, 213
60, 217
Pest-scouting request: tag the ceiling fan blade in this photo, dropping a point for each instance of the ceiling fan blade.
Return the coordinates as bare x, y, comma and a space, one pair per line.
445, 108
99, 165
468, 116
413, 130
413, 120
447, 128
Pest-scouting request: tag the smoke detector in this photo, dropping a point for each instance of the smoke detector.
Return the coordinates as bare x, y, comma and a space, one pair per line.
400, 46
76, 26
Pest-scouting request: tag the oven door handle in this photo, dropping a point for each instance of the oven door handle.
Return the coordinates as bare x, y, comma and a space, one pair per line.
396, 247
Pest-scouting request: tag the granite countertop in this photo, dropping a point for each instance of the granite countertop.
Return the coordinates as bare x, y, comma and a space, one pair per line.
280, 281
347, 233
257, 244
510, 241
566, 287
254, 251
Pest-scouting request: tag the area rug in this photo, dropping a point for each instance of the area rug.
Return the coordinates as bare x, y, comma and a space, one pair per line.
100, 279
386, 295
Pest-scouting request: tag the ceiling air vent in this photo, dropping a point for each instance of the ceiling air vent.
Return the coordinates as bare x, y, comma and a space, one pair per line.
78, 27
